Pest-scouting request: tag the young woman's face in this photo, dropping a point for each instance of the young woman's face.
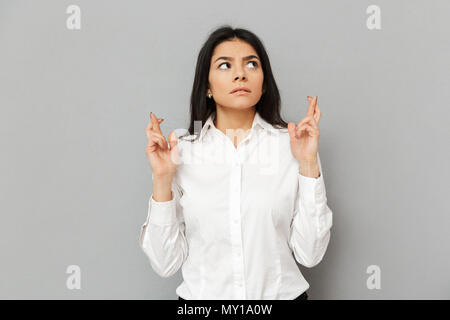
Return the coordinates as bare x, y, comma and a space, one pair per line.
241, 67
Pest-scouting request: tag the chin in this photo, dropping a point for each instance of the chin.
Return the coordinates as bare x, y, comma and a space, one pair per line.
241, 106
244, 104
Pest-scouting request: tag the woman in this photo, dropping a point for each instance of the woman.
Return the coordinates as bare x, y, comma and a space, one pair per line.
239, 198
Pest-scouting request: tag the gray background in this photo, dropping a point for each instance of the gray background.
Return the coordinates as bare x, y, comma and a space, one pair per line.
75, 181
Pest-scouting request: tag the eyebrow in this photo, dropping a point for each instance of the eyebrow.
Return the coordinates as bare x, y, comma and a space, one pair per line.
231, 59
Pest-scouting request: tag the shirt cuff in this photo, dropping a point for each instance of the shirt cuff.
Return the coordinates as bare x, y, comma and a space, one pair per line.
312, 190
162, 212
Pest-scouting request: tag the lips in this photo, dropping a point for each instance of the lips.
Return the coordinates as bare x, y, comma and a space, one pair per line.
240, 89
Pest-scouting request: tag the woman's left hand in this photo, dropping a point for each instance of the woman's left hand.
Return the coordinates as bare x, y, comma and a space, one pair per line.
304, 137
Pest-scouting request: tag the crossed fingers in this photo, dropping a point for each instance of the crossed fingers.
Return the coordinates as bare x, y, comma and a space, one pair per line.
154, 133
311, 120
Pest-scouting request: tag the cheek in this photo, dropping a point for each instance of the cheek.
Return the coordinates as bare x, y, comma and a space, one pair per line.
219, 81
258, 80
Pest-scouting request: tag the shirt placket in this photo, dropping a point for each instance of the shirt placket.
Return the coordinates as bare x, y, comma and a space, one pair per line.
237, 157
235, 222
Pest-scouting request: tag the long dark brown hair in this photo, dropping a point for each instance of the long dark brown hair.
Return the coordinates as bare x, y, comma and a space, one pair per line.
202, 107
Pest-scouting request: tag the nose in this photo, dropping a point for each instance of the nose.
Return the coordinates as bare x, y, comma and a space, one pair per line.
239, 74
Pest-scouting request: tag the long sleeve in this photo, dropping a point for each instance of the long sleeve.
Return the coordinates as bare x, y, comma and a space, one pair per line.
162, 236
312, 221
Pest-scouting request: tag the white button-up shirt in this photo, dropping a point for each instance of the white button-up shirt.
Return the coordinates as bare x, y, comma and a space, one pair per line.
239, 218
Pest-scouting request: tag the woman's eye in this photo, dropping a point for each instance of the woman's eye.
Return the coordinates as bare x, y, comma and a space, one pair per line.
223, 64
226, 63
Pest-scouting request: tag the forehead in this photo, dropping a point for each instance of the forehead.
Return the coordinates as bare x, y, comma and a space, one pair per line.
231, 48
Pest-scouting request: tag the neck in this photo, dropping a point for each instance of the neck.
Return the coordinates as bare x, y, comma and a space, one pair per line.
234, 119
235, 123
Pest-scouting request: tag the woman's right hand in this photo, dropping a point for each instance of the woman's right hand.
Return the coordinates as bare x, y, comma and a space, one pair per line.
163, 160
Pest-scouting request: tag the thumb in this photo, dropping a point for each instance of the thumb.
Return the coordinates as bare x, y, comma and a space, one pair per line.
173, 140
291, 129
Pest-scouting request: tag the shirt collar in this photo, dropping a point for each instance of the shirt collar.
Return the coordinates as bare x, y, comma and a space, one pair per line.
258, 120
